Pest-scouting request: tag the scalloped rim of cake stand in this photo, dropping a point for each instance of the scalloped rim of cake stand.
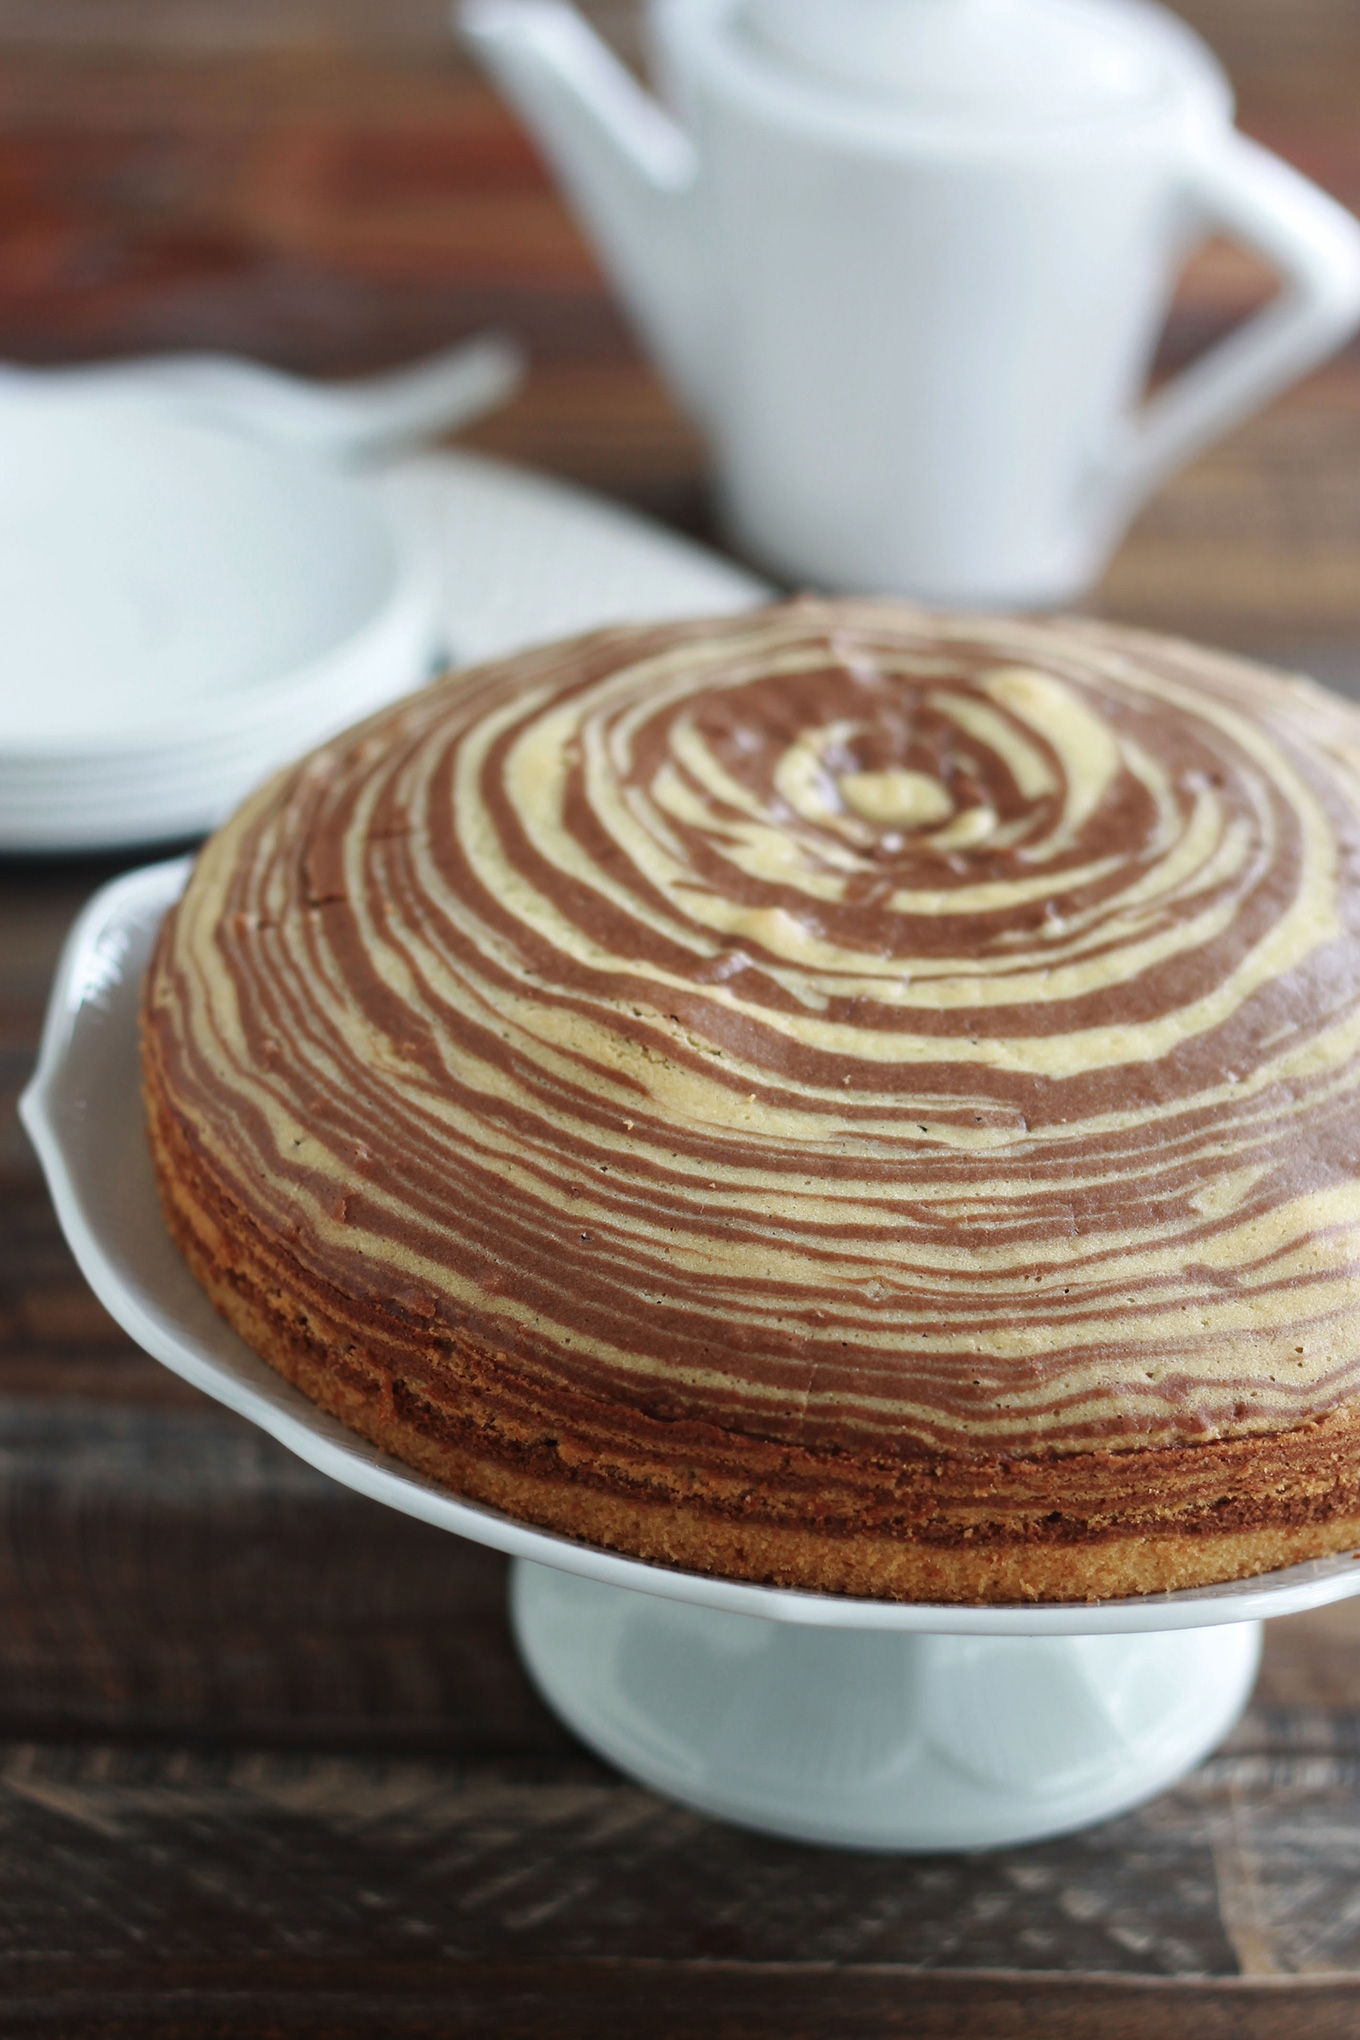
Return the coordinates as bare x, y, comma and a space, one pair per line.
83, 1112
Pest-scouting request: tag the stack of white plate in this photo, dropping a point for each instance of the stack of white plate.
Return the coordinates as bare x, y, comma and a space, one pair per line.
181, 610
185, 606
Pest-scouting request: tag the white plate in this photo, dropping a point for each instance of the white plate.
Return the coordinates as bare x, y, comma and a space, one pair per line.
112, 798
83, 1110
522, 558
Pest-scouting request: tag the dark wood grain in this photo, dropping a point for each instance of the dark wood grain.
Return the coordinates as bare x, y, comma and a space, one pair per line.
699, 2001
268, 1762
240, 1862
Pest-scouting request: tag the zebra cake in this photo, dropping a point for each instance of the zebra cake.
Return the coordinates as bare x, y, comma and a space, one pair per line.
840, 1096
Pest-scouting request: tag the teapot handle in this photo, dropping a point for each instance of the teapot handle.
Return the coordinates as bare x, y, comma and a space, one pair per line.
1314, 245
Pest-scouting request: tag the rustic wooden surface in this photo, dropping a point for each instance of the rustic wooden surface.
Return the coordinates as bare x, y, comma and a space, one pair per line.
268, 1763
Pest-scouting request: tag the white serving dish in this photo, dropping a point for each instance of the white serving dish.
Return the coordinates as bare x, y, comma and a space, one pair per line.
869, 1723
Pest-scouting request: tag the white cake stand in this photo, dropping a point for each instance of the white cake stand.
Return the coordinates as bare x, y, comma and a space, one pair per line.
865, 1723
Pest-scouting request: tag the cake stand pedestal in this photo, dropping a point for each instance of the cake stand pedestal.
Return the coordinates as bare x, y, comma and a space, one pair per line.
873, 1738
872, 1724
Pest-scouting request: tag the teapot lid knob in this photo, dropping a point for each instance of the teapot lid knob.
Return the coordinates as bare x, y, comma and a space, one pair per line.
1032, 60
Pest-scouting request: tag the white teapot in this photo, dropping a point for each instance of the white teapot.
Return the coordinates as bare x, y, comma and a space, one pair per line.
906, 262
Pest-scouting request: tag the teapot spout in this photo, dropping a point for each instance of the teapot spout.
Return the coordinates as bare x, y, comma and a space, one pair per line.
628, 169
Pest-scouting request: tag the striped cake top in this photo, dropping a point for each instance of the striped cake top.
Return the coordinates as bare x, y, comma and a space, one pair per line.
838, 1023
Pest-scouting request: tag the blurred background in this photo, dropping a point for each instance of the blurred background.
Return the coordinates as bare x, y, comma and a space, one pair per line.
331, 186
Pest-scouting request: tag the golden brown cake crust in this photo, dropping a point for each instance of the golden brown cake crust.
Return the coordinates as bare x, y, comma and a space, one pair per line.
905, 1152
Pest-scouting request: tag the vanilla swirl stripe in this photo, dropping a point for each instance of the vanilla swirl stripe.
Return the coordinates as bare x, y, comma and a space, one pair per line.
837, 1027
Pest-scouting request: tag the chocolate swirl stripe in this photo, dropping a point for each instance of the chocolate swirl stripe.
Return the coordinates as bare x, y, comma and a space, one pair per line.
839, 1024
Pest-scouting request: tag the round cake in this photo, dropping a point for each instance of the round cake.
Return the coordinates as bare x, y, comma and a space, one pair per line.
838, 1096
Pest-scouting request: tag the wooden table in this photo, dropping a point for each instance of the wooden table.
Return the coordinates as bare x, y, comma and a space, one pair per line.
269, 1763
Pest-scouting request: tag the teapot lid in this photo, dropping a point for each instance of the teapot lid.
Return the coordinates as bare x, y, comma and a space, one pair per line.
999, 61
